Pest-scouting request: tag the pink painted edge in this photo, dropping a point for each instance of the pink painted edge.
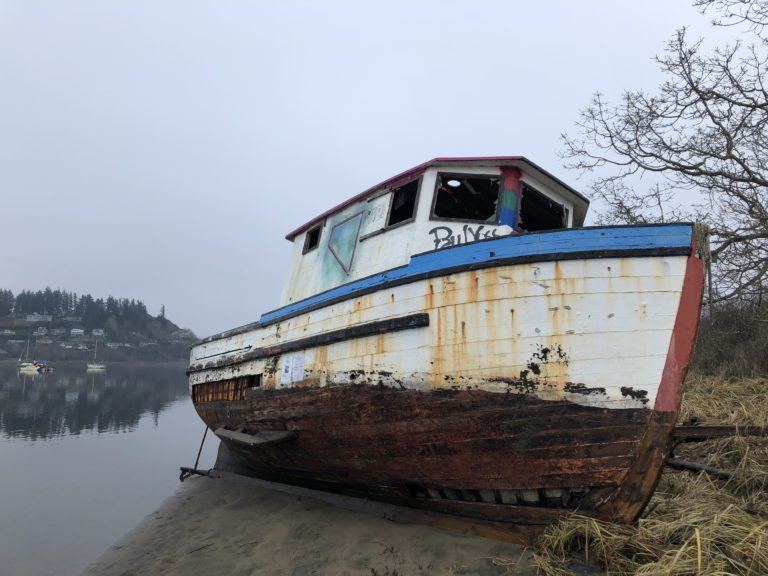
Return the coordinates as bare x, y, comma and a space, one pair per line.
415, 172
683, 336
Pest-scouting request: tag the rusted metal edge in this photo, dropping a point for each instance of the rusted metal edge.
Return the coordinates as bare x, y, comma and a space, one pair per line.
419, 320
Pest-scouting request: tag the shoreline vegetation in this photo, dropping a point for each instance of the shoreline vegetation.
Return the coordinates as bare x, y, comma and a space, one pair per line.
56, 325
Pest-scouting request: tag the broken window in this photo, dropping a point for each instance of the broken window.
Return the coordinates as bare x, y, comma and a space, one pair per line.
312, 239
466, 197
403, 205
539, 212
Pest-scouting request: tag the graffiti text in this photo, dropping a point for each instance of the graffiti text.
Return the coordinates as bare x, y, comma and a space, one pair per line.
445, 237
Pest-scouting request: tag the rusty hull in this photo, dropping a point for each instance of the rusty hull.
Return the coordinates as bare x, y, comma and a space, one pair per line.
491, 456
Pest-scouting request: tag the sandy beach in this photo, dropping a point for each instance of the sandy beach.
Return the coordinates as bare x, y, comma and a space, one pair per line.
240, 526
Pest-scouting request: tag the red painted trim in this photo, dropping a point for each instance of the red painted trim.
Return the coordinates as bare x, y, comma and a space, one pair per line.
512, 176
683, 336
417, 171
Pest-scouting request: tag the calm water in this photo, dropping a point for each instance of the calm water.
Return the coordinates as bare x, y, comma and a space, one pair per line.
85, 457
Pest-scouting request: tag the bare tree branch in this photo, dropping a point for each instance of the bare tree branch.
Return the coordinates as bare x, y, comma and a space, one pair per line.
703, 130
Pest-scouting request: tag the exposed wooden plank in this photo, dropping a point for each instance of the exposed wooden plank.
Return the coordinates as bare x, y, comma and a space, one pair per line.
261, 437
708, 431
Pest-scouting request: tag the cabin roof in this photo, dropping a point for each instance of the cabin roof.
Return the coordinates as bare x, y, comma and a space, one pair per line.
580, 202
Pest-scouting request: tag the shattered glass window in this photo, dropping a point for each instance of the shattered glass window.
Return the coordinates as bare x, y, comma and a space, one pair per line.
538, 212
466, 197
403, 205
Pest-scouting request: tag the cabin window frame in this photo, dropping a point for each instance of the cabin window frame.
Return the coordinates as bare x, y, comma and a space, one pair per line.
391, 191
319, 228
525, 187
449, 175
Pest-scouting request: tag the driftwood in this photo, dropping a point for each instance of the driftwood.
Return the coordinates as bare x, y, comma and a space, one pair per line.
696, 467
700, 433
697, 433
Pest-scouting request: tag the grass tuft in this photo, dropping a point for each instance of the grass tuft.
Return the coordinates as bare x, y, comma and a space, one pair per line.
694, 524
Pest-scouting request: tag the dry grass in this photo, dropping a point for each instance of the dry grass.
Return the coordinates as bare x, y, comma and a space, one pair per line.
736, 401
694, 524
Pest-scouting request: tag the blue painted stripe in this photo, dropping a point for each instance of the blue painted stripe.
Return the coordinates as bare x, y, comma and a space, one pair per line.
561, 243
508, 216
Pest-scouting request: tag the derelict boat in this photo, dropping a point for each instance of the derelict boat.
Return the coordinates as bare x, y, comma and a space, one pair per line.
452, 340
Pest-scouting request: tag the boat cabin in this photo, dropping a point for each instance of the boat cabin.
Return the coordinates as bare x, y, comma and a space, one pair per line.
439, 204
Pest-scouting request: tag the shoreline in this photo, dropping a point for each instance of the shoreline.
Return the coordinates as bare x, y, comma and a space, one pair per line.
182, 361
238, 525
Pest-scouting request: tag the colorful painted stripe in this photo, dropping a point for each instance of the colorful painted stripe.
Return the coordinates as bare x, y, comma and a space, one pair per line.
510, 195
572, 244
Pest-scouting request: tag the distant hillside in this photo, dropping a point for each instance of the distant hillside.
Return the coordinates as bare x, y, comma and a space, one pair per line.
63, 325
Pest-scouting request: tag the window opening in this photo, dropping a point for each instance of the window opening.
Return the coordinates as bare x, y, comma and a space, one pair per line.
256, 381
464, 197
312, 240
403, 205
539, 212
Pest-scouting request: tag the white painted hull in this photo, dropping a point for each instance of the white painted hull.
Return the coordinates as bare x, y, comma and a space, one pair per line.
29, 368
597, 331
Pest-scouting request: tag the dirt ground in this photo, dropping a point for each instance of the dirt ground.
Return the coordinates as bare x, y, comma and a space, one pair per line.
237, 526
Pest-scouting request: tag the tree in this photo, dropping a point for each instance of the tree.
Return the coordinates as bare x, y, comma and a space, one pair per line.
6, 302
704, 130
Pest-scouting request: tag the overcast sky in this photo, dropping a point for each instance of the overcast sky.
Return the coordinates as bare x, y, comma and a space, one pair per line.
162, 149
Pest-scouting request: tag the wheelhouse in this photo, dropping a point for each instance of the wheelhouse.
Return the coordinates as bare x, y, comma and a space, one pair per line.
439, 204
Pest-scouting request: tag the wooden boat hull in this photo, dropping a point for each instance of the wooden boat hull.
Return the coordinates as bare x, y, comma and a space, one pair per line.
495, 456
506, 394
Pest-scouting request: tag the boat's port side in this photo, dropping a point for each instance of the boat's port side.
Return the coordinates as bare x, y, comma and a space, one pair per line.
593, 331
449, 341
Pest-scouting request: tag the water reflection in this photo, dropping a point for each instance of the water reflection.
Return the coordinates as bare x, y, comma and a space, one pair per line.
85, 457
69, 400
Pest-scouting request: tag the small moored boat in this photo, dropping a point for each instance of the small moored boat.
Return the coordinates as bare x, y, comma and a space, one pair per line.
30, 367
453, 339
95, 366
